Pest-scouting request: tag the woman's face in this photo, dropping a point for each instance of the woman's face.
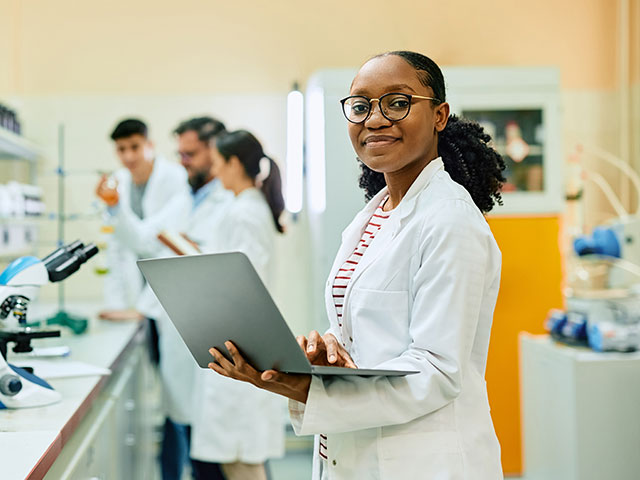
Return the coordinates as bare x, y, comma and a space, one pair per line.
221, 168
393, 147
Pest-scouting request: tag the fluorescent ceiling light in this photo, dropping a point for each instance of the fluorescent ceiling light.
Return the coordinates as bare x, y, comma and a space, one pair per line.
295, 151
316, 181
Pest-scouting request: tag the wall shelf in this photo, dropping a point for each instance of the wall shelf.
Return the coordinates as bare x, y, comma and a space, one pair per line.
15, 147
18, 236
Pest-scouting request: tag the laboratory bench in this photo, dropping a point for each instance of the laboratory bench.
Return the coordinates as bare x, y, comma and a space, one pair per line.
103, 426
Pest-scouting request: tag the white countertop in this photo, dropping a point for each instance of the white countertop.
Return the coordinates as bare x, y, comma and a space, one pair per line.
31, 439
580, 354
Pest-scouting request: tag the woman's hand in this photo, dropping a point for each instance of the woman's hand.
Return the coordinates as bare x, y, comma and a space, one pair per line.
295, 387
320, 350
325, 350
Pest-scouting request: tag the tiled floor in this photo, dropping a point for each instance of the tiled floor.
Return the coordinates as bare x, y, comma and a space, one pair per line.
294, 466
297, 466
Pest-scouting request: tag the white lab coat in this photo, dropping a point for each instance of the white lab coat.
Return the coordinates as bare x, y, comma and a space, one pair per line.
421, 298
165, 201
234, 421
177, 366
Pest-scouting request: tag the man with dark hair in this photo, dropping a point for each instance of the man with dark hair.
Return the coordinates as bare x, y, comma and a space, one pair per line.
144, 197
128, 128
207, 128
195, 137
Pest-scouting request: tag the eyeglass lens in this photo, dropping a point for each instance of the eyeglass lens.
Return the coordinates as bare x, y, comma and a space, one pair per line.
394, 107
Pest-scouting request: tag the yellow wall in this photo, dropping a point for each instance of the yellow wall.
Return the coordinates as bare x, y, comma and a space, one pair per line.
530, 286
248, 45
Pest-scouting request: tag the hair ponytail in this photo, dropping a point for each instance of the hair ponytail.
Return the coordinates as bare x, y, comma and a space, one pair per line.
463, 146
248, 149
272, 189
471, 162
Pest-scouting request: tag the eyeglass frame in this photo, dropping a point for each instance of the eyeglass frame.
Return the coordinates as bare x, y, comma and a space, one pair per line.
370, 100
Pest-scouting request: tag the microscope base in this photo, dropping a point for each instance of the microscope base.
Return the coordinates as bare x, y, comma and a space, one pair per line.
33, 391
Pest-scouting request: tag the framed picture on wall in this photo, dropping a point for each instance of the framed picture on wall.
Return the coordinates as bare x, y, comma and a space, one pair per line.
518, 107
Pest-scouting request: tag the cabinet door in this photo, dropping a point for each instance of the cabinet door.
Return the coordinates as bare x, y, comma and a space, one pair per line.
145, 417
125, 406
84, 456
96, 463
115, 439
133, 418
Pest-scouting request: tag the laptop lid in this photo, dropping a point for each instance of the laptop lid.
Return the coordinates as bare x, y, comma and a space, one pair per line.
213, 298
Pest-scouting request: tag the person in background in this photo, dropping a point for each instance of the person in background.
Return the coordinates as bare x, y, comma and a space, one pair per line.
142, 198
234, 424
195, 139
413, 287
207, 205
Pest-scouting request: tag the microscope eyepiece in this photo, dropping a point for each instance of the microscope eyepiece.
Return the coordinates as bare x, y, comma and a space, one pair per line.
67, 259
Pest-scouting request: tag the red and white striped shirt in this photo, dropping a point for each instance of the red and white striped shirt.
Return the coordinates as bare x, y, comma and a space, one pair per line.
343, 278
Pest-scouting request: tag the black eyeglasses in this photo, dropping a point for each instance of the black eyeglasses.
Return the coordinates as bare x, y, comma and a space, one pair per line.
393, 106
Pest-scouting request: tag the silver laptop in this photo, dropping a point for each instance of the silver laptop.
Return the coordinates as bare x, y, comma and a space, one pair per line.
218, 297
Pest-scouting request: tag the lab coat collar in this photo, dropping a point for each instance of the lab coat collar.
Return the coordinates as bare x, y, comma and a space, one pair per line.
384, 237
156, 172
407, 204
125, 184
211, 187
353, 232
251, 192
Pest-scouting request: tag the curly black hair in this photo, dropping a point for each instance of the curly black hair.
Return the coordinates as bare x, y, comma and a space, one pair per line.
463, 146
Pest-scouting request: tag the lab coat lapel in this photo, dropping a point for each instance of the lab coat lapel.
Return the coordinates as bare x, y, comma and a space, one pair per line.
394, 223
123, 176
353, 233
379, 244
350, 238
154, 187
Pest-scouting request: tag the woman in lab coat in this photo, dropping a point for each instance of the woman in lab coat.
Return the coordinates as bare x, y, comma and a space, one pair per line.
419, 294
235, 424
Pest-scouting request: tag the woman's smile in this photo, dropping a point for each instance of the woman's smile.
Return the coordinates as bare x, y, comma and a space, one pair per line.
379, 141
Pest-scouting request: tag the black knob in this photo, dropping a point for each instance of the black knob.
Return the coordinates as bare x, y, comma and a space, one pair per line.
10, 385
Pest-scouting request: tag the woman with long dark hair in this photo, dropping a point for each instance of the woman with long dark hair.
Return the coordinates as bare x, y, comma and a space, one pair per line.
413, 287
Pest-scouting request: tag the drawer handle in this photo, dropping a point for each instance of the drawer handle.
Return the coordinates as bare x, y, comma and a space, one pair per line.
130, 440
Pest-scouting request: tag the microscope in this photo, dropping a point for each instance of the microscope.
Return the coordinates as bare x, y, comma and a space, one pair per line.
20, 283
603, 300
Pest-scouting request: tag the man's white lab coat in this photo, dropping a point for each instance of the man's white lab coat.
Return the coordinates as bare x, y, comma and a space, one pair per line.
165, 201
